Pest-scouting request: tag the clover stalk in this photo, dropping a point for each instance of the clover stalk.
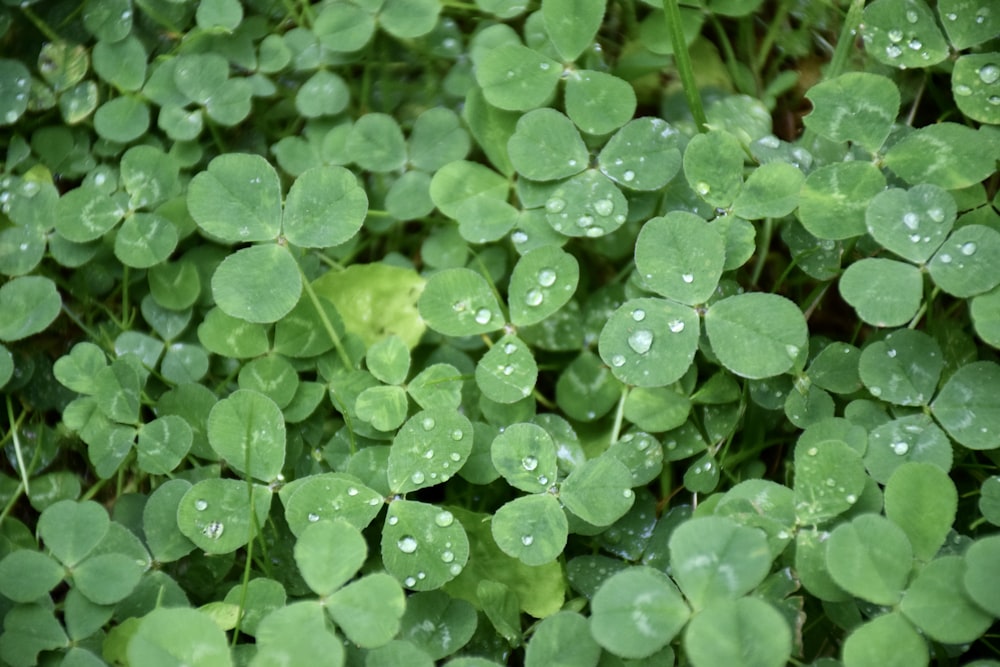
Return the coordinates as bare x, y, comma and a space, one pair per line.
672, 14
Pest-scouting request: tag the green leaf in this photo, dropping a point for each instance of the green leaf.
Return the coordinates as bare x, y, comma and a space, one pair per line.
30, 304
572, 26
680, 257
297, 634
948, 155
835, 197
829, 478
966, 264
650, 342
344, 27
599, 491
936, 603
525, 454
460, 187
219, 15
215, 514
490, 126
429, 449
966, 405
163, 443
325, 207
713, 559
546, 146
78, 369
71, 530
122, 119
902, 369
543, 281
26, 575
15, 80
199, 76
389, 360
21, 250
247, 430
587, 204
377, 143
237, 199
159, 522
870, 557
437, 623
637, 612
713, 166
756, 335
968, 22
985, 312
231, 103
437, 138
926, 212
771, 191
835, 368
232, 337
407, 19
586, 389
121, 63
747, 632
884, 292
107, 578
323, 94
423, 546
28, 630
437, 386
912, 438
857, 106
260, 283
171, 636
384, 407
643, 155
459, 302
273, 376
641, 453
330, 496
562, 639
368, 610
980, 578
532, 529
921, 499
328, 554
145, 240
974, 85
396, 290
914, 42
598, 102
517, 78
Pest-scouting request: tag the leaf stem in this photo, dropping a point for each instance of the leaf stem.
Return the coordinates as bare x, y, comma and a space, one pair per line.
327, 325
42, 26
616, 429
845, 44
682, 59
14, 425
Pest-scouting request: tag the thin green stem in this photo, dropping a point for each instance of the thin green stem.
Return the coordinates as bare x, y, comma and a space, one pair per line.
845, 45
327, 325
14, 425
42, 26
775, 26
672, 14
616, 429
767, 230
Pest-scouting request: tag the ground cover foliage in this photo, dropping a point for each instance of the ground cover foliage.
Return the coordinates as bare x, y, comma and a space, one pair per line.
572, 332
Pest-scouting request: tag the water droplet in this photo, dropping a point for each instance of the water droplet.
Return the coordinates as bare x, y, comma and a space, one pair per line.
527, 540
638, 314
313, 518
529, 463
968, 249
770, 141
555, 204
891, 354
640, 341
519, 237
428, 423
392, 520
911, 220
534, 297
911, 16
429, 454
543, 66
542, 479
812, 451
457, 435
936, 214
213, 531
618, 361
914, 238
508, 370
407, 544
676, 326
945, 258
989, 73
410, 581
900, 448
604, 207
546, 277
851, 498
687, 278
915, 44
895, 35
455, 569
951, 16
875, 391
352, 491
994, 100
628, 176
585, 221
702, 188
417, 477
628, 492
444, 518
893, 51
483, 315
571, 163
201, 505
594, 232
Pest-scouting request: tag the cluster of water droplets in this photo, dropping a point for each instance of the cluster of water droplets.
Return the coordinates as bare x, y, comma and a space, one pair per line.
482, 315
536, 295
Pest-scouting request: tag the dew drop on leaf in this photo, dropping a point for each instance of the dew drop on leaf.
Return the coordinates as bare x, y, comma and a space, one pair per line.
546, 277
508, 370
968, 249
629, 176
555, 205
214, 530
447, 556
900, 448
313, 517
604, 207
945, 258
483, 315
200, 505
638, 314
527, 540
534, 297
410, 581
676, 326
417, 477
895, 35
428, 423
989, 73
407, 544
456, 435
911, 220
688, 278
618, 361
393, 520
529, 463
455, 569
444, 518
510, 348
702, 188
911, 16
640, 341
